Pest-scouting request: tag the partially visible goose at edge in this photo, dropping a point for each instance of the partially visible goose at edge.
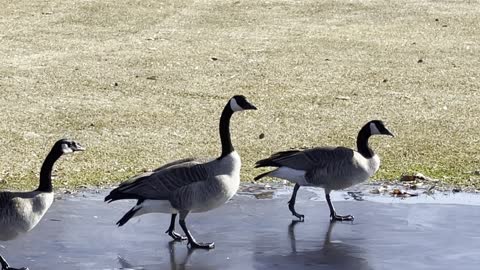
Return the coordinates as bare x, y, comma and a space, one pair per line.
331, 168
21, 211
187, 185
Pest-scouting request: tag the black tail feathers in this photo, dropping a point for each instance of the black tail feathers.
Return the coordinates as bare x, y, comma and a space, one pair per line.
129, 214
265, 163
112, 196
119, 195
260, 176
273, 160
108, 199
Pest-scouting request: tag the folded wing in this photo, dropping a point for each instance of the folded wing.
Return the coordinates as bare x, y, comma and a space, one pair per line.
162, 182
317, 163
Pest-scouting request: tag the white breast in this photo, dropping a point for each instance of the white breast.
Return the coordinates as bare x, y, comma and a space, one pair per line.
230, 178
362, 170
226, 182
370, 165
373, 165
25, 214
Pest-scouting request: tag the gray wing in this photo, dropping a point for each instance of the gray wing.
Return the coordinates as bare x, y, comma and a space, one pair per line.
161, 183
329, 164
173, 164
318, 163
309, 159
177, 162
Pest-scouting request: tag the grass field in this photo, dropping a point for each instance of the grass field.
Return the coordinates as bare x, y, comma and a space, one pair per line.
143, 82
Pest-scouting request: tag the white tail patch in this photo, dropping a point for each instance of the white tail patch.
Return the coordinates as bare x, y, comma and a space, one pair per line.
155, 206
292, 175
234, 105
374, 129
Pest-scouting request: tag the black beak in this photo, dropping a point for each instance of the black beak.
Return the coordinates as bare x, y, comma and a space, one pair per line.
388, 133
249, 106
78, 147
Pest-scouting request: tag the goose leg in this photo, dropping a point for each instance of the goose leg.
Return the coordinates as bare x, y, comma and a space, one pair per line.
333, 214
171, 230
5, 265
291, 203
191, 241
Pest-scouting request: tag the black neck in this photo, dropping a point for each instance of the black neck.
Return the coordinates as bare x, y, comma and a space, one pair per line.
46, 171
362, 142
227, 146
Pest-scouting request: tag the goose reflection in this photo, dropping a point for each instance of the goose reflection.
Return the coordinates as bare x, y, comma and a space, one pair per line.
312, 254
333, 254
176, 262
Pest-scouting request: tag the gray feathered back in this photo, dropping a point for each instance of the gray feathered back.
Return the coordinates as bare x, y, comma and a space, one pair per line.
306, 160
161, 183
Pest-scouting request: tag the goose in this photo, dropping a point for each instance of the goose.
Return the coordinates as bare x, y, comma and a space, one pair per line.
331, 168
187, 185
20, 212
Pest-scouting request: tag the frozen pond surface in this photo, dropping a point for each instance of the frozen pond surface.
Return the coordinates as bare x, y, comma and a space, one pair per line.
440, 232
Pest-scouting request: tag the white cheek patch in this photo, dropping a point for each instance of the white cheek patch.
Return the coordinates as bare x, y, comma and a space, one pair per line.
66, 149
374, 129
234, 105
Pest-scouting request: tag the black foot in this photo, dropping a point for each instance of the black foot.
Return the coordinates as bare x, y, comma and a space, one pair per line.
11, 268
335, 217
176, 236
292, 209
193, 244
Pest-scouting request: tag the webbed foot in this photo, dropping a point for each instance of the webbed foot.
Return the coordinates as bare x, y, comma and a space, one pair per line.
176, 236
194, 244
336, 217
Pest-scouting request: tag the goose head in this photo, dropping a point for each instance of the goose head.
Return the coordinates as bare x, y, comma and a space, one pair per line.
240, 103
377, 127
66, 146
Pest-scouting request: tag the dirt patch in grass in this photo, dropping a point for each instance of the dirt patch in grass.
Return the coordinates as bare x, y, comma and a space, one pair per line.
141, 83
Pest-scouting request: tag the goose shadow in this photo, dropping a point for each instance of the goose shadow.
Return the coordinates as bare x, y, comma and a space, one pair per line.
305, 255
175, 262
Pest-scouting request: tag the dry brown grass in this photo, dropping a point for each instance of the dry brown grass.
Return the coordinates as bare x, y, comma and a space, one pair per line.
79, 69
